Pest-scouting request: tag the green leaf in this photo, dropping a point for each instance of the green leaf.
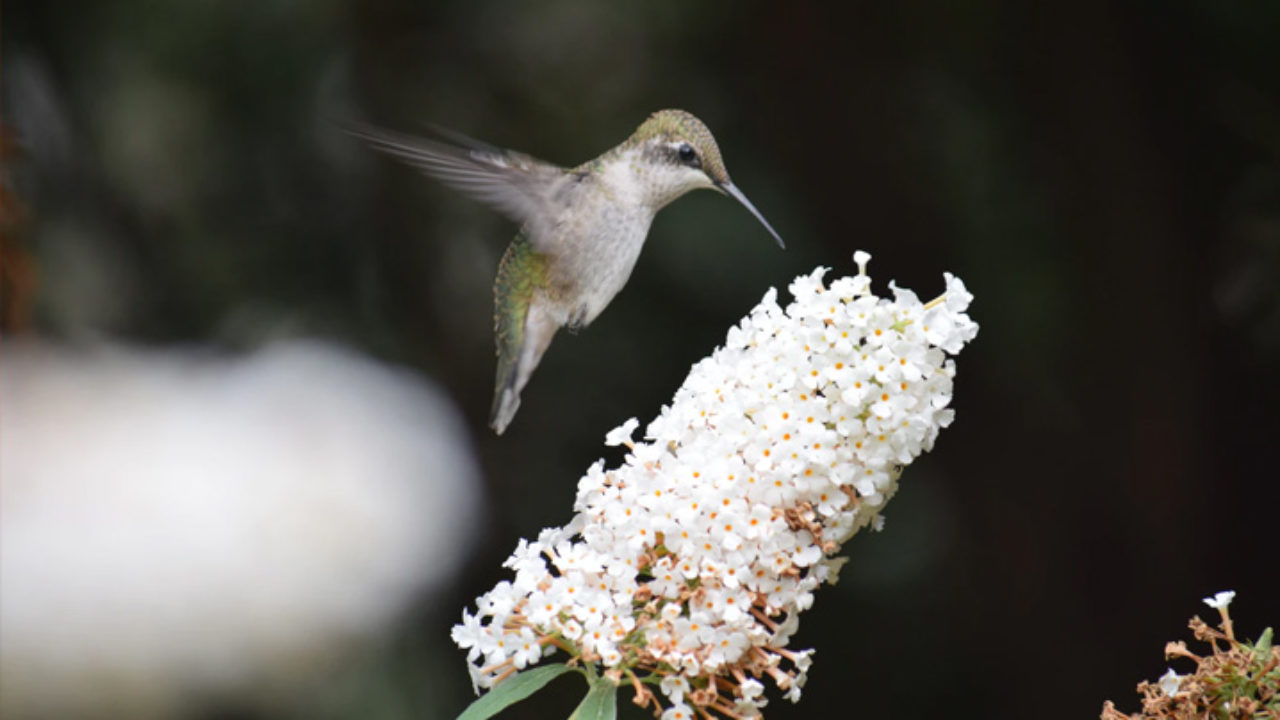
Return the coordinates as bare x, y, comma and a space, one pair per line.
601, 702
513, 690
1262, 649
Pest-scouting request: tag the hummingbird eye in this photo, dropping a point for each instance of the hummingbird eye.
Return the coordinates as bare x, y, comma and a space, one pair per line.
689, 156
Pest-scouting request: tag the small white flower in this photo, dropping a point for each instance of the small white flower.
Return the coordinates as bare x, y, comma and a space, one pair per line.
751, 690
526, 648
1221, 600
468, 635
861, 258
674, 687
479, 680
1169, 682
679, 711
958, 298
621, 435
793, 693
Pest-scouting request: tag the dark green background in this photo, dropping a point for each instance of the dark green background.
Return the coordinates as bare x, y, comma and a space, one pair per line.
1105, 176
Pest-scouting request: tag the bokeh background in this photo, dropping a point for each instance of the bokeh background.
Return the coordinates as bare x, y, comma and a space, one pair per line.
1105, 176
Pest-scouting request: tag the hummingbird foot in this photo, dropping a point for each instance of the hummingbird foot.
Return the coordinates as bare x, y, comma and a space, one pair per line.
576, 321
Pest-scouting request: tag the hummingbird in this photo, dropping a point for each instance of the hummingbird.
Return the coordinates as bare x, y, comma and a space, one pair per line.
581, 228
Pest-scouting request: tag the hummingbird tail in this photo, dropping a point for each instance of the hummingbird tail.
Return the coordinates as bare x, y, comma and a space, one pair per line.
522, 329
505, 403
517, 363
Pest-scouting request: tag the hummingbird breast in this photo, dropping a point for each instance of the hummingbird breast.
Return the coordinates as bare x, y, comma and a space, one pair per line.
594, 254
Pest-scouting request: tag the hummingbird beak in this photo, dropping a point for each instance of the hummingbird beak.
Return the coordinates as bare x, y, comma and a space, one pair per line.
732, 191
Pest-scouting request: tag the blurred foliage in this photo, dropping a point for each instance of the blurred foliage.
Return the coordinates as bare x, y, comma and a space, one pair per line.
1105, 176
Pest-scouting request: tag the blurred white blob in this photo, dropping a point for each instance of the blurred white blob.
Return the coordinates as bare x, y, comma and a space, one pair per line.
175, 525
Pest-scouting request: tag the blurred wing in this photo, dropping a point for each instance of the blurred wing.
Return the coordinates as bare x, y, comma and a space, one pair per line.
519, 186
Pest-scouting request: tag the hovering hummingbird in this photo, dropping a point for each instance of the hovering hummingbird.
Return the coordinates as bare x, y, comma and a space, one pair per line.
581, 229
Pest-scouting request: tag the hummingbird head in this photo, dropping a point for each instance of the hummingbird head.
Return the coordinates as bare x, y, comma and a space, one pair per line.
680, 155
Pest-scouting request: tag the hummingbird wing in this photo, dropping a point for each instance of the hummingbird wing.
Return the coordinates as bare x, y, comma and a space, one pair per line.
521, 187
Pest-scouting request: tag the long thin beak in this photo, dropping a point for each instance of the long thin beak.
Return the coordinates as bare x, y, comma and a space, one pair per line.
732, 191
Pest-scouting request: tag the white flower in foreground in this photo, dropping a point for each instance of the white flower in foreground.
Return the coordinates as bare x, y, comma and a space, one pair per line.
690, 563
1221, 600
184, 525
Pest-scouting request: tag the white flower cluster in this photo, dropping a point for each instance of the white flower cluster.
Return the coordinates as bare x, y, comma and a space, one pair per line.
688, 565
